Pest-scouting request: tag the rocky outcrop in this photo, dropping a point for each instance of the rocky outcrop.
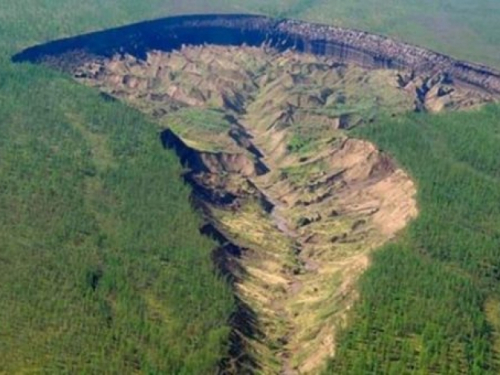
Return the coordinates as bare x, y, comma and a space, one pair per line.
368, 50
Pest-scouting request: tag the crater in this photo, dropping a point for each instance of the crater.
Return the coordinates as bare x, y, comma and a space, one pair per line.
259, 111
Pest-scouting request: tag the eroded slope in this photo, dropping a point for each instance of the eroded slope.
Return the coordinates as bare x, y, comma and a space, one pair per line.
295, 203
263, 134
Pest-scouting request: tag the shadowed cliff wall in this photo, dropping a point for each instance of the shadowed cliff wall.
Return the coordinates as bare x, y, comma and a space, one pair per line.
346, 45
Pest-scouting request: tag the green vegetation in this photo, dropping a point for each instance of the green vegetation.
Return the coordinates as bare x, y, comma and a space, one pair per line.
300, 144
101, 264
194, 124
102, 268
300, 174
428, 300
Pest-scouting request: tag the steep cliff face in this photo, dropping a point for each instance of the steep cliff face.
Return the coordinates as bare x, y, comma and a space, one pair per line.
378, 51
346, 45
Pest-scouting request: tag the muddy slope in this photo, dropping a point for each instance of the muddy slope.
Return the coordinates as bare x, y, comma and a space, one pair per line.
345, 45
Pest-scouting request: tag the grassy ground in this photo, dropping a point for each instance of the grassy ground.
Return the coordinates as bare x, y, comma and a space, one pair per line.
202, 129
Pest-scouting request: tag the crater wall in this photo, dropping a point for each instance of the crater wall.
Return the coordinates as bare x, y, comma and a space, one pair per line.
368, 50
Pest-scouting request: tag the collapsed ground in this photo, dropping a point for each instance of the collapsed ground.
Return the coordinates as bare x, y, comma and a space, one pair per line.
297, 205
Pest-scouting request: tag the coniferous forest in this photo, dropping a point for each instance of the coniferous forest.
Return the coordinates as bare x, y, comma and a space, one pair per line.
103, 268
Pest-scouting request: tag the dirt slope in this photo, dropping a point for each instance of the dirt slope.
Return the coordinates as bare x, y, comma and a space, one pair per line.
296, 204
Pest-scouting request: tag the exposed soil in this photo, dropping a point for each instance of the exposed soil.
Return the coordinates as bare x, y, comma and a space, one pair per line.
301, 202
296, 205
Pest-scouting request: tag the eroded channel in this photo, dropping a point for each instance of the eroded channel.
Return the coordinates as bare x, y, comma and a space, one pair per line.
295, 203
263, 135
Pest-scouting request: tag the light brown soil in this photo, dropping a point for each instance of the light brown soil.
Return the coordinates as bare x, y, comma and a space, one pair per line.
310, 221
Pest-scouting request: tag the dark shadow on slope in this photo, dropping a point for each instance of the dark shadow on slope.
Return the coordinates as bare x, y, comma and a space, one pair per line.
243, 321
166, 34
345, 45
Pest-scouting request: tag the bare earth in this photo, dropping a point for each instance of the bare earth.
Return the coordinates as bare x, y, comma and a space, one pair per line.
308, 204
